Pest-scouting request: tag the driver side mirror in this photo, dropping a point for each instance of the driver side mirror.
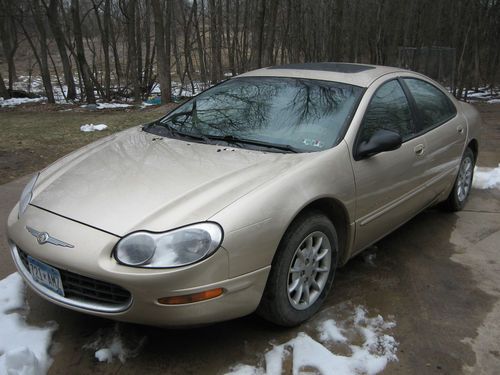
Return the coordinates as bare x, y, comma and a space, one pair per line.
382, 140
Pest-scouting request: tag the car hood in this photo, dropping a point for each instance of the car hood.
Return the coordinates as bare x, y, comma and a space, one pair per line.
135, 180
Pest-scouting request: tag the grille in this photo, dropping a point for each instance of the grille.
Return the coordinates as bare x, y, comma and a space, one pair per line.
86, 289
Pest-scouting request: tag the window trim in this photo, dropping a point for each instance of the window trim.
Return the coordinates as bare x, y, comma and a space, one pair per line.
418, 112
413, 115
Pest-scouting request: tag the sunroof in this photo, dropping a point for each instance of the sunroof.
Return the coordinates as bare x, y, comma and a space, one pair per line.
327, 67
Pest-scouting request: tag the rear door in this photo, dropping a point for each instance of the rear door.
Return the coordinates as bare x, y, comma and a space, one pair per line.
390, 186
444, 130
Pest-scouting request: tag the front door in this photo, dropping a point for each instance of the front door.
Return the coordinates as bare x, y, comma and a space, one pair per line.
390, 186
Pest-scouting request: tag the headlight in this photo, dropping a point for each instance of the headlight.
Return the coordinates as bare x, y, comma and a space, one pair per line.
26, 195
175, 248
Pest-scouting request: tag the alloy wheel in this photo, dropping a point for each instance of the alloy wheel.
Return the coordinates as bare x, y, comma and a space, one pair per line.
309, 270
464, 180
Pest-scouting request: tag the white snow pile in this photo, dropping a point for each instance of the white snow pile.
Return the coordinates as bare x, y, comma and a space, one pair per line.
110, 345
486, 178
112, 105
23, 348
106, 105
17, 101
357, 345
34, 84
484, 94
92, 128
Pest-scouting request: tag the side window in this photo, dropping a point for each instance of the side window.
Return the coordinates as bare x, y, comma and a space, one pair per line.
388, 109
433, 105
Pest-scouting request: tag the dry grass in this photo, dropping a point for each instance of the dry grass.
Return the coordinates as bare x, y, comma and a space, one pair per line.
33, 136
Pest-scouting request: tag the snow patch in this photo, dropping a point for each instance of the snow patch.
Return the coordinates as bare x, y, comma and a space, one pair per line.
486, 178
91, 127
23, 348
329, 331
370, 357
484, 94
110, 345
112, 105
106, 105
17, 101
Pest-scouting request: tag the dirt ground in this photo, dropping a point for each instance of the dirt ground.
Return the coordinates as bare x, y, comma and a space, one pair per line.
438, 277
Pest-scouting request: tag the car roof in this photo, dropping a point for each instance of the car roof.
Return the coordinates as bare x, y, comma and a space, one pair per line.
355, 74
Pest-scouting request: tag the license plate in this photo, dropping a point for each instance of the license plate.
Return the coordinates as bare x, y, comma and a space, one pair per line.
46, 275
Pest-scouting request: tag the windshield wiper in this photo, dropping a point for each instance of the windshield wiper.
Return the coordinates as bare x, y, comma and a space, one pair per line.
171, 131
236, 140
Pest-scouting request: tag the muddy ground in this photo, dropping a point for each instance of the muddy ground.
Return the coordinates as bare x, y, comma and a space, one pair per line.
437, 277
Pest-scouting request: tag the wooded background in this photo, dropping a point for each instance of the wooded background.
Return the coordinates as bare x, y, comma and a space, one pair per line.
115, 49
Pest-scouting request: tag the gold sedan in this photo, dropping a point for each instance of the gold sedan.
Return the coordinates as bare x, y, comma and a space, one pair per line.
245, 198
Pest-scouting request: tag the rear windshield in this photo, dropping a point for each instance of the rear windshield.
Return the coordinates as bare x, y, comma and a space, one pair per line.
307, 115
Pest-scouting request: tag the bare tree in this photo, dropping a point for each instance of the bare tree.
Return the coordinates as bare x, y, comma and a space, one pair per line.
215, 42
117, 43
8, 35
52, 12
129, 11
163, 48
80, 53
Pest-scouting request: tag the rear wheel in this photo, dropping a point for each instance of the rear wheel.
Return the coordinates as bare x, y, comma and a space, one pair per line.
302, 271
463, 184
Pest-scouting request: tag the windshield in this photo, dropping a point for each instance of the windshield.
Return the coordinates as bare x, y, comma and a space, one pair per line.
297, 115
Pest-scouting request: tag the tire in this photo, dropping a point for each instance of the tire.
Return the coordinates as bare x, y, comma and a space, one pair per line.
297, 263
463, 183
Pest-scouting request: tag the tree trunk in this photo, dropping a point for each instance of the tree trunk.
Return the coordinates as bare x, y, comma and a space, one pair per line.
105, 48
163, 63
147, 49
199, 43
230, 50
104, 31
116, 55
58, 35
215, 43
8, 35
44, 62
80, 53
271, 34
138, 46
132, 49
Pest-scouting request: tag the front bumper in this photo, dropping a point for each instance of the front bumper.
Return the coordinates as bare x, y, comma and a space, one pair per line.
91, 258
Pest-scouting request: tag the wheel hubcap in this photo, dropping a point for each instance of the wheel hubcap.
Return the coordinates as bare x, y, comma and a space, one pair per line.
464, 180
309, 270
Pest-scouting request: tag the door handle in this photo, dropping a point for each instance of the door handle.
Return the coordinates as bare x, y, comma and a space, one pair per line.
460, 129
419, 149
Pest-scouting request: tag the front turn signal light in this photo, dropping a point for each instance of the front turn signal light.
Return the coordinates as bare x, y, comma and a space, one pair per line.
190, 298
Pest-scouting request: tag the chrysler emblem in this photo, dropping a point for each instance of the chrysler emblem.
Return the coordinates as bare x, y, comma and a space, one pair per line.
43, 238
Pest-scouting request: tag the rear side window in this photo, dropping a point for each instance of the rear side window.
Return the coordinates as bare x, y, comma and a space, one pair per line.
433, 105
388, 109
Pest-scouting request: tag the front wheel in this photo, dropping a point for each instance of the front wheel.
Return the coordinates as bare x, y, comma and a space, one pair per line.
463, 184
302, 271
